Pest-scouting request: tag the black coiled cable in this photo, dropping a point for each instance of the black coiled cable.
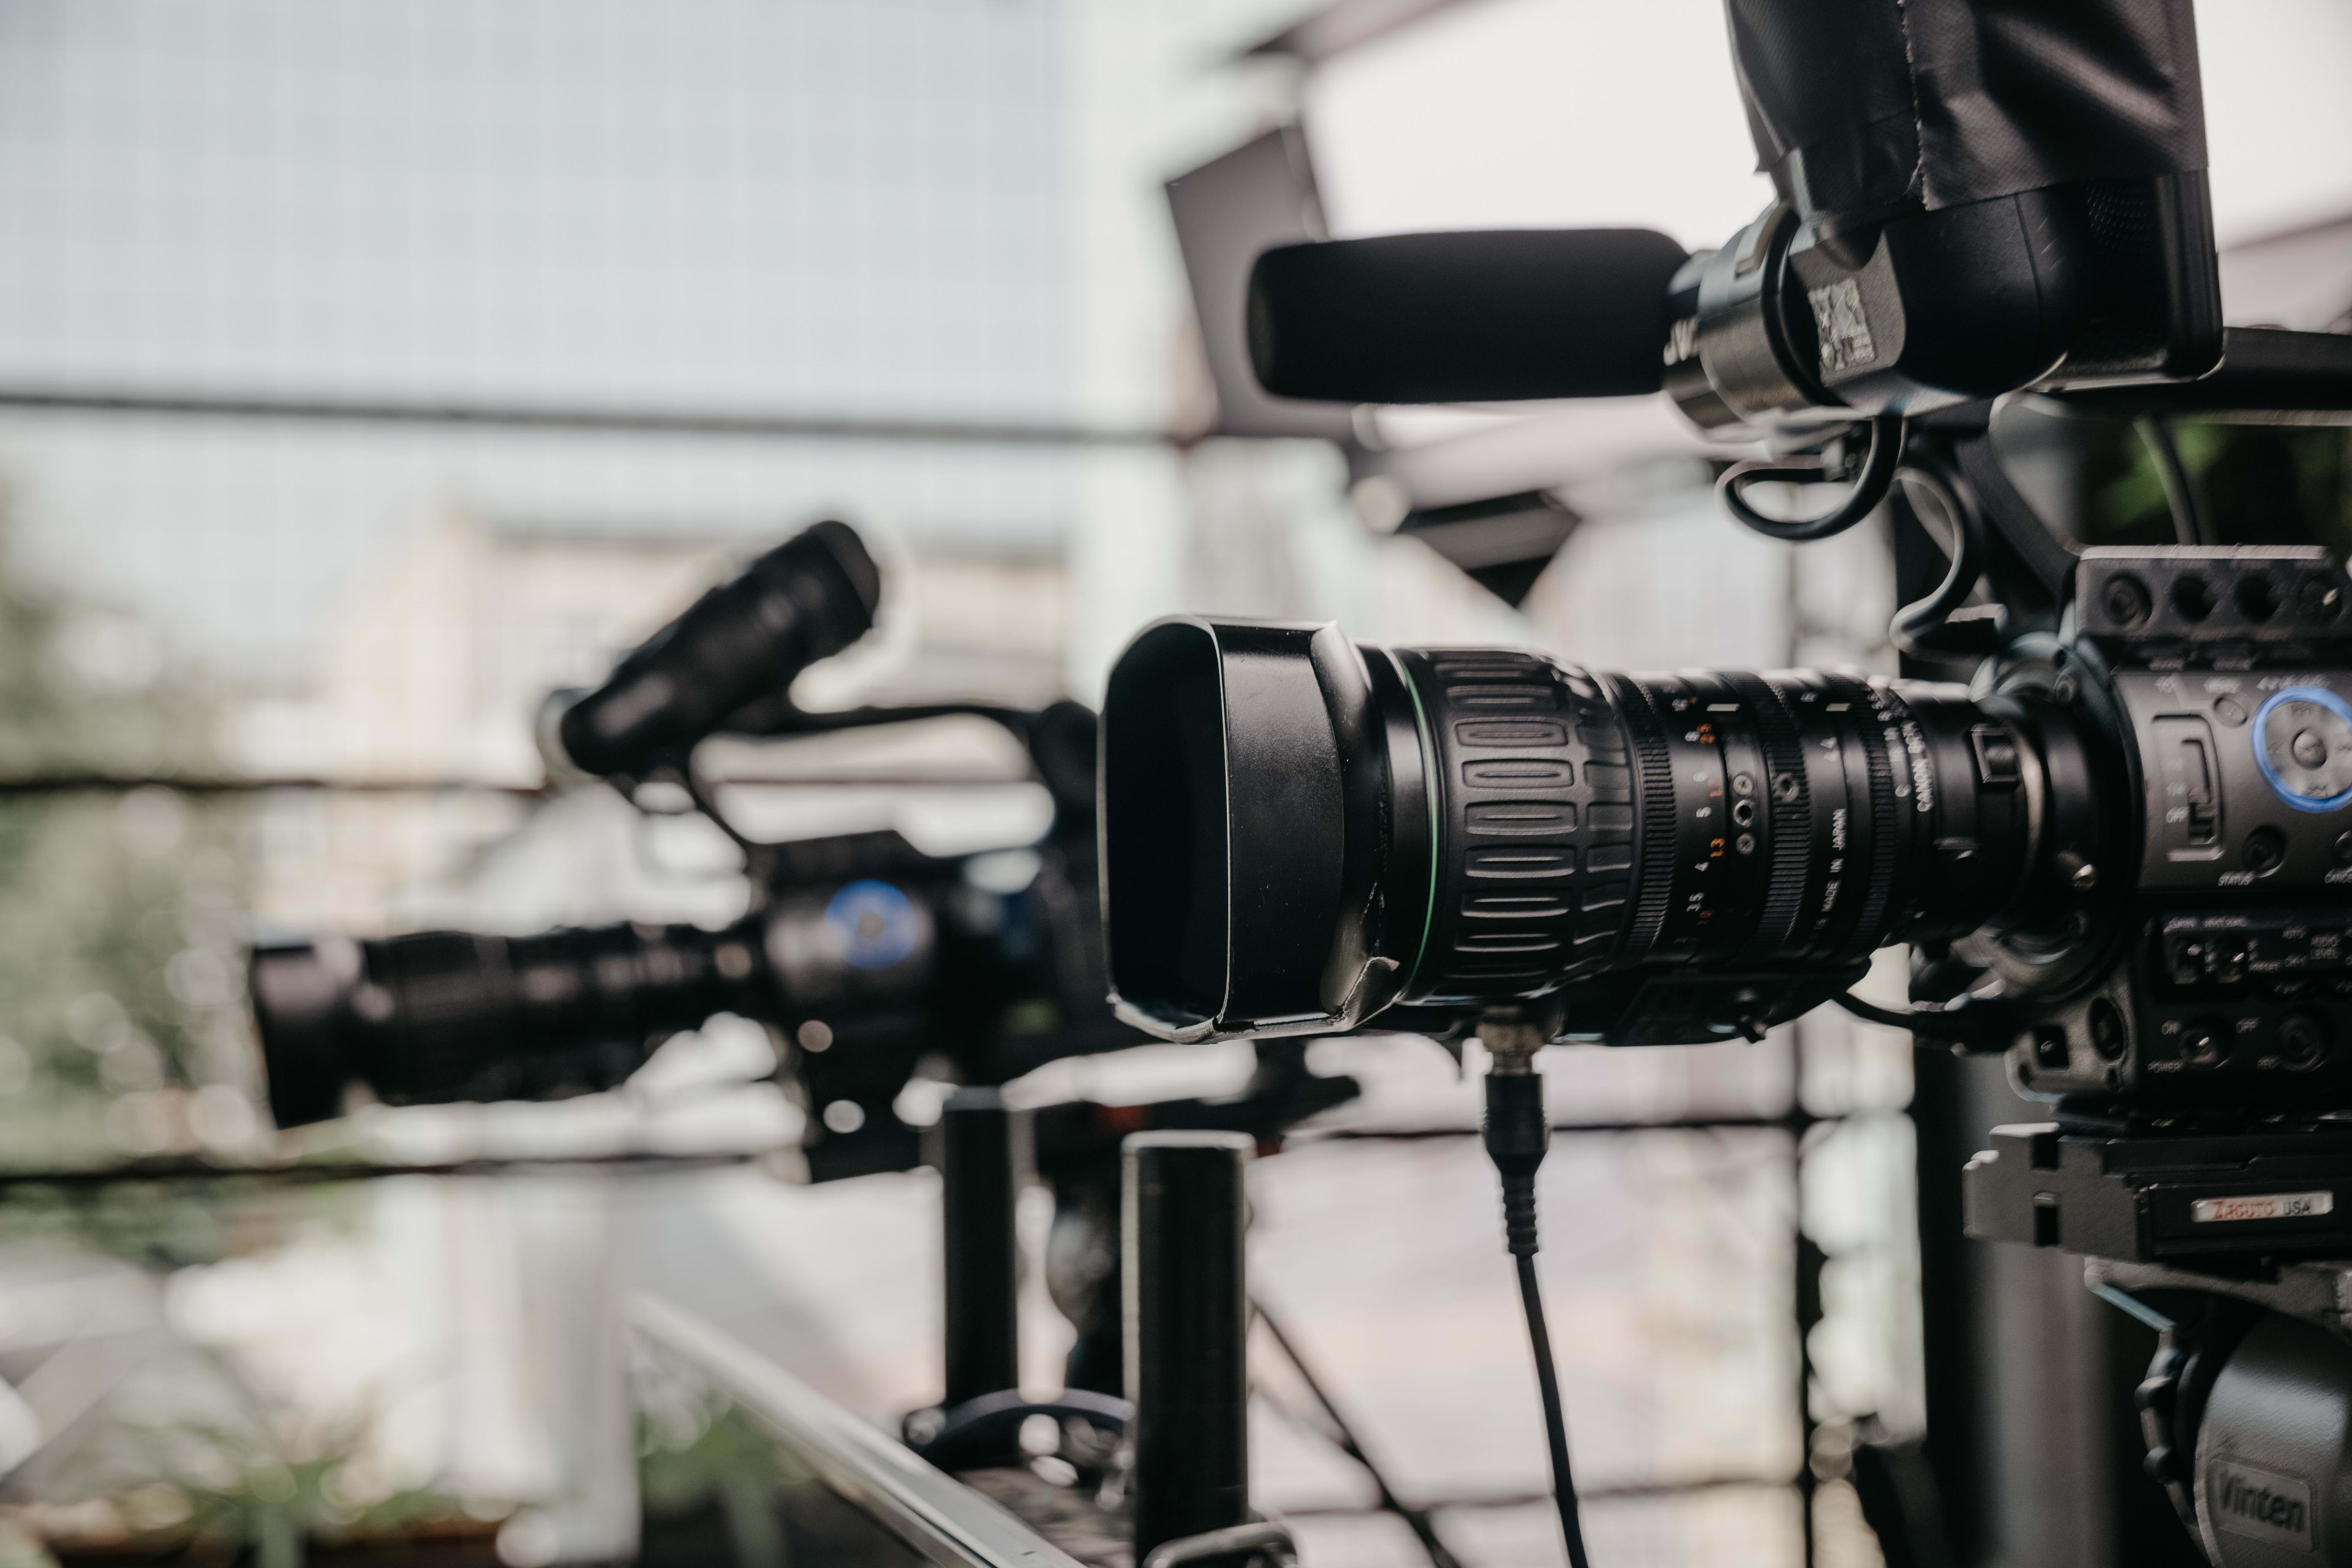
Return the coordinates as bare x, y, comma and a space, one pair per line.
1870, 485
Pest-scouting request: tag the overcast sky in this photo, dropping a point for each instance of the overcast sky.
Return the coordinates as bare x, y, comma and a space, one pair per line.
837, 206
1603, 111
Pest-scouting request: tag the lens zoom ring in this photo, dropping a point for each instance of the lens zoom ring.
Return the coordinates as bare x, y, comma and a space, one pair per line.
1536, 826
1886, 848
1791, 818
1653, 777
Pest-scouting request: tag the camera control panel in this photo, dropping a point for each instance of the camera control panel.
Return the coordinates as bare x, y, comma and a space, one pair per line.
2235, 677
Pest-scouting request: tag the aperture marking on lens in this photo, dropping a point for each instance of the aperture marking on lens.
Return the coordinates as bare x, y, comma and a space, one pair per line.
1783, 805
1742, 874
1837, 804
1701, 824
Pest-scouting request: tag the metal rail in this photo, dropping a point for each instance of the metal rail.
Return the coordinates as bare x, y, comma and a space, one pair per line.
193, 1168
940, 1519
616, 420
231, 783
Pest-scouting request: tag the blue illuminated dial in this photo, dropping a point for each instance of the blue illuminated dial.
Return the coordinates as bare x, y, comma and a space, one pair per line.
2303, 742
875, 923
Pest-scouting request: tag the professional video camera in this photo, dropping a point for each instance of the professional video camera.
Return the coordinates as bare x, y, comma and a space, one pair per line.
865, 952
2119, 852
867, 955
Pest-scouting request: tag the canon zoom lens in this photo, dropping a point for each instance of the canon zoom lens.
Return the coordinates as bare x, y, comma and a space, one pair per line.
440, 1016
1299, 830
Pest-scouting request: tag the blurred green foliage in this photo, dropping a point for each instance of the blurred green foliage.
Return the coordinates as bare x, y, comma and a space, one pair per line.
711, 1453
272, 1498
119, 911
2258, 484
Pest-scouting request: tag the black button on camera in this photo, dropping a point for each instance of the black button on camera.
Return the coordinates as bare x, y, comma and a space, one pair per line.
2265, 851
2109, 1036
1996, 750
2342, 850
2303, 1040
2205, 1045
2126, 601
2318, 599
2050, 1050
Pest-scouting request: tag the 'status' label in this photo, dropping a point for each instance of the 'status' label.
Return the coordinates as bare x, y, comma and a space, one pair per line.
2263, 1206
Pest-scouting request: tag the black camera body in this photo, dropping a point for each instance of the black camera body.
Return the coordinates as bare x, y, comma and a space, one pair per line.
2198, 1080
2224, 677
866, 955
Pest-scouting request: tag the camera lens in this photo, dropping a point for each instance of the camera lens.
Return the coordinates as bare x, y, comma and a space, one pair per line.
1299, 830
450, 1016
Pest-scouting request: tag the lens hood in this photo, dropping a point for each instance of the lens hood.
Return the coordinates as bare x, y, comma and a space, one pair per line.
1268, 869
301, 995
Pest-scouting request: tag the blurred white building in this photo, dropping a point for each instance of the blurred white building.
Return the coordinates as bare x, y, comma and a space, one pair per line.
445, 643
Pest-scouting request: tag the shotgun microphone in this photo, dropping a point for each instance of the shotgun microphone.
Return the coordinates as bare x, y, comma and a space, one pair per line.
1473, 316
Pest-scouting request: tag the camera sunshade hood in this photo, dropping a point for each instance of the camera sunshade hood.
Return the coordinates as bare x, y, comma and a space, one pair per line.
1262, 876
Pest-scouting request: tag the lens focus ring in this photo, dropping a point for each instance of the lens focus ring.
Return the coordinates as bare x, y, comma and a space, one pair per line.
1533, 795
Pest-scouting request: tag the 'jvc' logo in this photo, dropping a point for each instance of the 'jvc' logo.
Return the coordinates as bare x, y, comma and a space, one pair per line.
1682, 340
2253, 1503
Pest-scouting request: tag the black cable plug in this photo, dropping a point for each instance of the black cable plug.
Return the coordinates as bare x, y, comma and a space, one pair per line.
1518, 1135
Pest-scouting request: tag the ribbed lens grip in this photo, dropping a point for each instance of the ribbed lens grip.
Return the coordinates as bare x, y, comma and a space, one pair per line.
1534, 799
1654, 773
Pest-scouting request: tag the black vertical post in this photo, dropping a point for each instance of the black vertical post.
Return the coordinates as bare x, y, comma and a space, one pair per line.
1187, 1311
983, 1336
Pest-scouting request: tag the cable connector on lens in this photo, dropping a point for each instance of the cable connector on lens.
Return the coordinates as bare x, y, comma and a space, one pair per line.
1518, 1135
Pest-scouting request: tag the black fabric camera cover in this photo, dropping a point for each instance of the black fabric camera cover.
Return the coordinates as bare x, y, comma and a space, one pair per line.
1864, 110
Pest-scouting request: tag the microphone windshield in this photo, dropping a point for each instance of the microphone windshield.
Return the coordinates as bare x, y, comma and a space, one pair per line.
1478, 317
